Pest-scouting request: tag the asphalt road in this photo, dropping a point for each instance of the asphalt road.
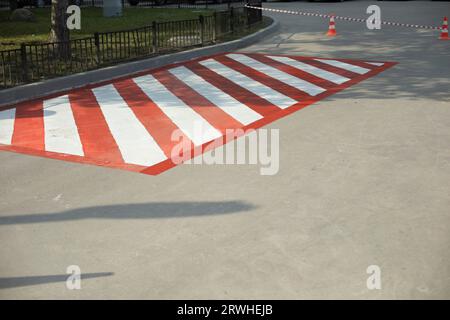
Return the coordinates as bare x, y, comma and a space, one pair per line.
364, 180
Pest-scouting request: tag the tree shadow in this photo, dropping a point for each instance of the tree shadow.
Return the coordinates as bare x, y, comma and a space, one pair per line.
422, 71
414, 77
6, 114
15, 282
155, 210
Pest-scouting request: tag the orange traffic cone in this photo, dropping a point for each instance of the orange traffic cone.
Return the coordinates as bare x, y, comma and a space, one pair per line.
332, 28
444, 32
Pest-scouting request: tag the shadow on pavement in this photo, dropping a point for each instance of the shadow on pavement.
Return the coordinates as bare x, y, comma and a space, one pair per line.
153, 210
16, 282
422, 71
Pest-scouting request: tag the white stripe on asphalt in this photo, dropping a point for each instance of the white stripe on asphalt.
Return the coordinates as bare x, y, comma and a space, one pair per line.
295, 82
190, 122
378, 64
225, 102
345, 66
265, 92
134, 141
335, 78
60, 129
7, 125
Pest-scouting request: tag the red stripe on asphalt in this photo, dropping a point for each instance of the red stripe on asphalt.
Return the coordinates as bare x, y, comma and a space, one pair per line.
29, 126
323, 83
96, 138
150, 115
208, 110
244, 96
273, 83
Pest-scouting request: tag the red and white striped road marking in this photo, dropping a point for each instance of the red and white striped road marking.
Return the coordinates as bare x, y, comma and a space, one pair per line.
128, 123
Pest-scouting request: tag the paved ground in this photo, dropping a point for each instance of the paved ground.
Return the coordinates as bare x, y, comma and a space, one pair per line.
363, 180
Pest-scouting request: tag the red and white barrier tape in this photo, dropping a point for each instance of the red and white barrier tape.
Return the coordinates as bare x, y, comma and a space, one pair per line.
397, 24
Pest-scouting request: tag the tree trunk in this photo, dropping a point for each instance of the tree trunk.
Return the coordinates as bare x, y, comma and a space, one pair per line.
59, 32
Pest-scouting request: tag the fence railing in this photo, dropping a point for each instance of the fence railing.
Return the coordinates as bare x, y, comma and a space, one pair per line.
35, 62
126, 3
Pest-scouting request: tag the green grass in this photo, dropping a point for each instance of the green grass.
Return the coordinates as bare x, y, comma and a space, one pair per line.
13, 33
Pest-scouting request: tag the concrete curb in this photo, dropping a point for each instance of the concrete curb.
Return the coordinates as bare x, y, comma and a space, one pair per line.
51, 86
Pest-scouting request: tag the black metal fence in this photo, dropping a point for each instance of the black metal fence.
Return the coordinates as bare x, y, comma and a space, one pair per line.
34, 62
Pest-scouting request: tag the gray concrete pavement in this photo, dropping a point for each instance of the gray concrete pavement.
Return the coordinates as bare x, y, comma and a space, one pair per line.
364, 180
